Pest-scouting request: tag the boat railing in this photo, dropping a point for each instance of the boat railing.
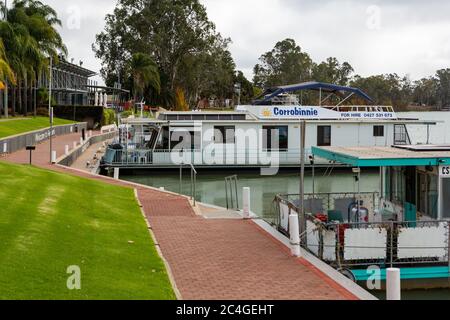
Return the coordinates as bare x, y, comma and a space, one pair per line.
343, 244
358, 109
225, 156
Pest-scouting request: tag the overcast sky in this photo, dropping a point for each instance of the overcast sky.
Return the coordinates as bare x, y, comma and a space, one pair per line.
379, 36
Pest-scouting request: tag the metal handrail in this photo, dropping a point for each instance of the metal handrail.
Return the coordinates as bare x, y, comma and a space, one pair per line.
229, 183
193, 180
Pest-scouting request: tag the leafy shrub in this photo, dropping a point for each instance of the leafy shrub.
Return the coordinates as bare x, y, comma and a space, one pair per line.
109, 117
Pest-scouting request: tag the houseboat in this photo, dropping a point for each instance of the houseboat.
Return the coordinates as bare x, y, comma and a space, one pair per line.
264, 134
405, 224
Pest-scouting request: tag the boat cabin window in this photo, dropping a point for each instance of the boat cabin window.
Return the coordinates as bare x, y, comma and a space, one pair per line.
378, 131
163, 140
324, 136
203, 116
185, 140
224, 134
275, 138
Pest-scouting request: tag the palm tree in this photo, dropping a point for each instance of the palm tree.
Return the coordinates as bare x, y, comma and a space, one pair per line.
6, 74
145, 74
30, 36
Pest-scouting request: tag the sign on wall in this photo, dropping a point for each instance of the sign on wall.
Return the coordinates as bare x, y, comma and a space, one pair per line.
313, 112
444, 171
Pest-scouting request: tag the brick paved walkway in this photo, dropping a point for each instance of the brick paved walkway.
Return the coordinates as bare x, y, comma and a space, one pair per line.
215, 259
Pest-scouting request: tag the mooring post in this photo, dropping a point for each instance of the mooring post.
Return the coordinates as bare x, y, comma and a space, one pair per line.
294, 232
246, 202
53, 157
393, 284
116, 173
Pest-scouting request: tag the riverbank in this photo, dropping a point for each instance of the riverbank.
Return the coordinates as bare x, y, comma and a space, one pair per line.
45, 229
215, 258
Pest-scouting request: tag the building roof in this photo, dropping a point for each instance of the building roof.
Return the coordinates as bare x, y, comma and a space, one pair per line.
271, 93
396, 156
74, 68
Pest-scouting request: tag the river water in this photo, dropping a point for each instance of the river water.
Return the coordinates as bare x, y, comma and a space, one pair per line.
211, 185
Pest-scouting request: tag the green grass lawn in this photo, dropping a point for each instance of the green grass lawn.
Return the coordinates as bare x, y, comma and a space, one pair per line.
50, 221
11, 127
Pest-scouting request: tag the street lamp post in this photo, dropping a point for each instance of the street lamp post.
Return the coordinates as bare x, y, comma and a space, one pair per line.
50, 108
5, 92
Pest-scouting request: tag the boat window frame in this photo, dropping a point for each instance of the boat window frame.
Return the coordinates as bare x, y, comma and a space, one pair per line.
265, 138
378, 131
320, 136
226, 129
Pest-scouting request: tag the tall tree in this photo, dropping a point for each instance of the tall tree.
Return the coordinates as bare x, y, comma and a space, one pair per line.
175, 33
331, 71
285, 64
145, 75
443, 90
30, 36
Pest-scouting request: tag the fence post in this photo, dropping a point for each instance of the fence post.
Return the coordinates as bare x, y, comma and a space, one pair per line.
448, 245
116, 173
53, 157
392, 245
246, 202
294, 231
393, 284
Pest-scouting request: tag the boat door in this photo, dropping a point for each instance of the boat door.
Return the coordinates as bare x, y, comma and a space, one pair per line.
444, 184
427, 193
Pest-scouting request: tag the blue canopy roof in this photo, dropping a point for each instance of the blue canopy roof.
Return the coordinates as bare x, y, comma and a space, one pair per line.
271, 93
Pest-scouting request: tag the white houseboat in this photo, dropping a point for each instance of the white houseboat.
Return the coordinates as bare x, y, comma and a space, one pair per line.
264, 134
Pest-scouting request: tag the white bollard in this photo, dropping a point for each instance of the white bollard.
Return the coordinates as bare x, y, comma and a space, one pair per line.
53, 157
75, 144
393, 284
66, 150
5, 147
81, 140
116, 173
246, 202
294, 230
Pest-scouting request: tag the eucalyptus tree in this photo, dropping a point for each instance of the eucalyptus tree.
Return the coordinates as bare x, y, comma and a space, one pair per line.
175, 33
285, 64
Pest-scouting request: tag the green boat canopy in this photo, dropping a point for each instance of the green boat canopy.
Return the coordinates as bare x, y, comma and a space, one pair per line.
396, 156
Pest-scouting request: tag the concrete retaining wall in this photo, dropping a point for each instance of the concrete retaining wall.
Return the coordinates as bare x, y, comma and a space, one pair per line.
21, 141
68, 160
